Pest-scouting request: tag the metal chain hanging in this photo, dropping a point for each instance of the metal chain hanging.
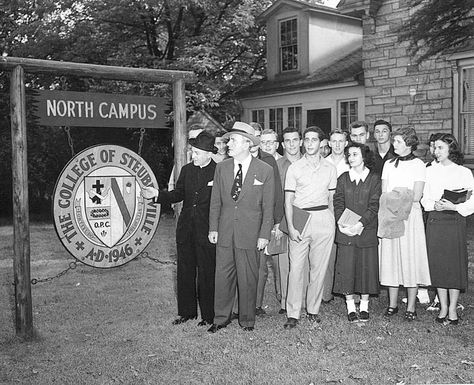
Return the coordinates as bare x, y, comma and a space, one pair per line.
72, 266
67, 130
140, 142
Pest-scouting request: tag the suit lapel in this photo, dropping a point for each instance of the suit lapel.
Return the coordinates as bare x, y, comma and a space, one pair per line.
249, 178
229, 176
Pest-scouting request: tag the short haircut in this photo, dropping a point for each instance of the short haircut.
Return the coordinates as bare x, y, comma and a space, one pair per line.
381, 122
357, 124
434, 137
269, 131
315, 129
409, 136
338, 131
367, 154
290, 130
256, 126
455, 154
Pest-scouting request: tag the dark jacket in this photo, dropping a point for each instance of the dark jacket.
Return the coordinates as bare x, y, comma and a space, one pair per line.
278, 209
363, 199
379, 161
194, 187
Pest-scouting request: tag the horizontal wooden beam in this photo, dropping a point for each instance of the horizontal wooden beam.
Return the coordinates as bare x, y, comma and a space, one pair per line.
97, 71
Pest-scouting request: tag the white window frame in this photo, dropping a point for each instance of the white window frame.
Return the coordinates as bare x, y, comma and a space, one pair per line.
350, 117
291, 48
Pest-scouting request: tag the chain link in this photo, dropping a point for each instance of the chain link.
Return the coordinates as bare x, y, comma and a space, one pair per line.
67, 129
140, 142
145, 254
72, 265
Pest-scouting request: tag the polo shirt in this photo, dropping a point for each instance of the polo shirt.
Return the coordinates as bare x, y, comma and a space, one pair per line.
341, 166
310, 184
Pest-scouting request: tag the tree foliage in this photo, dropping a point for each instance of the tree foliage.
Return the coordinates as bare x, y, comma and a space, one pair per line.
220, 40
439, 26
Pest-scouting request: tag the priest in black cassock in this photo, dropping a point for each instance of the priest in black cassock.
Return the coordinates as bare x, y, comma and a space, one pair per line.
196, 255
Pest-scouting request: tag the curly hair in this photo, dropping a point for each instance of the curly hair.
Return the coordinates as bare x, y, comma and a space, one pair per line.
367, 154
455, 155
408, 135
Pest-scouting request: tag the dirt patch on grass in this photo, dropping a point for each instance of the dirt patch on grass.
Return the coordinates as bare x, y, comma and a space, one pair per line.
97, 326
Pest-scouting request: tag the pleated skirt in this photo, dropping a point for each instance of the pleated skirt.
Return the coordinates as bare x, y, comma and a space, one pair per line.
356, 270
404, 261
447, 249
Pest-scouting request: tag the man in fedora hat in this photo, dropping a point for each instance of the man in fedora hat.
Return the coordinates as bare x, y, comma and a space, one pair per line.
196, 255
240, 222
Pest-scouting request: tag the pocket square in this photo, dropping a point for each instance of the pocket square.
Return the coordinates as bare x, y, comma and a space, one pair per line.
256, 182
211, 183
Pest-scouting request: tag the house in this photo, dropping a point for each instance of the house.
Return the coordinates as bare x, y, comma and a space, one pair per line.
331, 66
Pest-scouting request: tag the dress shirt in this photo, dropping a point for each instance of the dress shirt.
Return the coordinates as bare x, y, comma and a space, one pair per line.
341, 166
245, 166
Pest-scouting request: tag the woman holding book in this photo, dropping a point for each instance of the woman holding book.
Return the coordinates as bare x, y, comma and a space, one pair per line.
447, 199
403, 257
356, 203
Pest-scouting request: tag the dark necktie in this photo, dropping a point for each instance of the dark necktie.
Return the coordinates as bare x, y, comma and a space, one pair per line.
237, 185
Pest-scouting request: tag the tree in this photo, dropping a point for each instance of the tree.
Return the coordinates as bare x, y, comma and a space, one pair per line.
439, 26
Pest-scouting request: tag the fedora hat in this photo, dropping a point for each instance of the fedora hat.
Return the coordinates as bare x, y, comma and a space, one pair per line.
204, 141
245, 130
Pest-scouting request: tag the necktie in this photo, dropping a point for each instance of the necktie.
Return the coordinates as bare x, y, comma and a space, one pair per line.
237, 185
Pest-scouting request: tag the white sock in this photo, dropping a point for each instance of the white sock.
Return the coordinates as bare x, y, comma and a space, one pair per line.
423, 295
364, 305
351, 307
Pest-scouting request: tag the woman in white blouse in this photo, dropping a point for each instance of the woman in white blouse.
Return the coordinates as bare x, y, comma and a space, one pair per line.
446, 226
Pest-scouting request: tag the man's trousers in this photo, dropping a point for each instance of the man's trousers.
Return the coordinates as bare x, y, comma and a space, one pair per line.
236, 269
318, 238
196, 261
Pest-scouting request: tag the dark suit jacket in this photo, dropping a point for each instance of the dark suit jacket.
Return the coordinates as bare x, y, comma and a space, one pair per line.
278, 209
251, 216
193, 187
363, 199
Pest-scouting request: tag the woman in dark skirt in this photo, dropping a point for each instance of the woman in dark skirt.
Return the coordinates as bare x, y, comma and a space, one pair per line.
446, 225
357, 267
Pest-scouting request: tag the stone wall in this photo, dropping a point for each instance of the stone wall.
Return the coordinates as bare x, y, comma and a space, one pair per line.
397, 89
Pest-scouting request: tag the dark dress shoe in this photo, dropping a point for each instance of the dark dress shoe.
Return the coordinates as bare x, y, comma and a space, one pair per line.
364, 316
214, 328
440, 320
260, 311
352, 317
453, 322
390, 311
183, 319
248, 328
290, 323
282, 311
204, 323
313, 318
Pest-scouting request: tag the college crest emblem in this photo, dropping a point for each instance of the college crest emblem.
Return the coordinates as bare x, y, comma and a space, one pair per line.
99, 213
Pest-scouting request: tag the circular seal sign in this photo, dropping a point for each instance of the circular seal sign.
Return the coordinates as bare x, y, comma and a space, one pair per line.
99, 213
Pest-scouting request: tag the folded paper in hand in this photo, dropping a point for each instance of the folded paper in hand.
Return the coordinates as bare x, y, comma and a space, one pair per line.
300, 218
275, 246
348, 218
457, 196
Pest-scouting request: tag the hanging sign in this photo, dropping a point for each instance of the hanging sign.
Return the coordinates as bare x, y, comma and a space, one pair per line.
84, 109
99, 214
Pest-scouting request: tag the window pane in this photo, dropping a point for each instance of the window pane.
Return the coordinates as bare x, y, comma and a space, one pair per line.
288, 45
467, 112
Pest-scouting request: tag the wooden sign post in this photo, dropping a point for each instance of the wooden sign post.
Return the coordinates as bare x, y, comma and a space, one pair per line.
21, 238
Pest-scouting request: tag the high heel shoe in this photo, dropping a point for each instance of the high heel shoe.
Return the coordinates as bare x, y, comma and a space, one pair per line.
453, 322
440, 320
390, 311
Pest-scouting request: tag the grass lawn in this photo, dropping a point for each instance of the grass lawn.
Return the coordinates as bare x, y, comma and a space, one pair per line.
96, 326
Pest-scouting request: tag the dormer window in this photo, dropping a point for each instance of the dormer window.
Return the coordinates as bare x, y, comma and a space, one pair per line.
288, 45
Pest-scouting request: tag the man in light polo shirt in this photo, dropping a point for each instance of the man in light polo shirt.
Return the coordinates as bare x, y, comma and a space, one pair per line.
310, 184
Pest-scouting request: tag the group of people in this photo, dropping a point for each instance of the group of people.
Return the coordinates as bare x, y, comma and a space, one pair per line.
348, 217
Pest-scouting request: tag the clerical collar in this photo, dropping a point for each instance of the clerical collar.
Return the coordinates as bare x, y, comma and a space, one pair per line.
398, 159
355, 176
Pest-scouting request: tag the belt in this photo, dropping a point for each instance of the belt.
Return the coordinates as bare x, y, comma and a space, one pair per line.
316, 208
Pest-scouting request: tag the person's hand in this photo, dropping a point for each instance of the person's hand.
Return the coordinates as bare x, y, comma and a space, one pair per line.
213, 237
277, 231
443, 205
262, 243
149, 192
347, 230
295, 235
